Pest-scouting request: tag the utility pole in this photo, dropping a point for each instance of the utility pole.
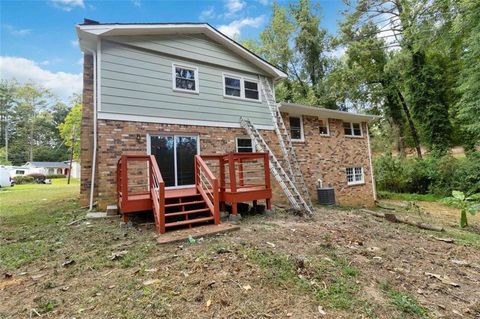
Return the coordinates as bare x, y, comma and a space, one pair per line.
71, 155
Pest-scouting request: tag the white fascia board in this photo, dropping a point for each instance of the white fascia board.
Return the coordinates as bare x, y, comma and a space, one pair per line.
167, 120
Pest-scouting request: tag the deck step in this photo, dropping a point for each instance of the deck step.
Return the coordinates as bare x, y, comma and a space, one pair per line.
187, 212
190, 221
185, 203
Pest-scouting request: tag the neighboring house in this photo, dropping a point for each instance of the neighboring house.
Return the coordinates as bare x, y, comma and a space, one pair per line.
176, 90
47, 168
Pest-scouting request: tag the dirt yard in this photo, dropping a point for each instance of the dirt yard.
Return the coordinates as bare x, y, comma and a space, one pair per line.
342, 264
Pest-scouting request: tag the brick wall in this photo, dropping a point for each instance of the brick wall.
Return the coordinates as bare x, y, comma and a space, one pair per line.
320, 157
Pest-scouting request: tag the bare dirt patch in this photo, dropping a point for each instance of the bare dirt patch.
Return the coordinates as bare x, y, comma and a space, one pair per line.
341, 264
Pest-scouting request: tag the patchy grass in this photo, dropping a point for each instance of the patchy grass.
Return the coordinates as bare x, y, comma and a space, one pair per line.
404, 302
30, 215
410, 197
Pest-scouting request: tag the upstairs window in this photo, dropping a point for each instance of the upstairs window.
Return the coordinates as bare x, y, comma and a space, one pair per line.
233, 86
244, 145
242, 88
355, 175
323, 127
352, 129
185, 78
251, 90
296, 128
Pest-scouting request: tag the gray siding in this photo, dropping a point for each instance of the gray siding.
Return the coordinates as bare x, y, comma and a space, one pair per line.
136, 79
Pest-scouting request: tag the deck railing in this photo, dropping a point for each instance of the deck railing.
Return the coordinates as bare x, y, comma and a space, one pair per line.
157, 191
208, 186
151, 185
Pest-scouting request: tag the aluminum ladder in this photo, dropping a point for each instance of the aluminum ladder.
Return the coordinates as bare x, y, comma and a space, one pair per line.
288, 186
290, 158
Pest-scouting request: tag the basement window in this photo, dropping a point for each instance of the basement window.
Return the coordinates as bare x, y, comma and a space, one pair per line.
355, 175
352, 129
323, 127
185, 78
244, 145
296, 128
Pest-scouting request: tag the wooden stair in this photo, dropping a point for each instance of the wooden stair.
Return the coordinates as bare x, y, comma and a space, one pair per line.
185, 209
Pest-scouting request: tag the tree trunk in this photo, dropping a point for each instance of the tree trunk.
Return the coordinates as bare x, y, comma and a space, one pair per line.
413, 129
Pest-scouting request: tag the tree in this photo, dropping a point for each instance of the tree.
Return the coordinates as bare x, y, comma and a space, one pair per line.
70, 129
7, 92
467, 28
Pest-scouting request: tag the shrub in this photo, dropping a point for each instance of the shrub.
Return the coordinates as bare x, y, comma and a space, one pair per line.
23, 179
38, 178
434, 175
53, 176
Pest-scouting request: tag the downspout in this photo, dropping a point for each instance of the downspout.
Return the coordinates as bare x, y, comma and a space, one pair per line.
94, 155
371, 166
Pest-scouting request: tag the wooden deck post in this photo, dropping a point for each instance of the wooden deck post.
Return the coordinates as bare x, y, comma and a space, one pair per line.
233, 181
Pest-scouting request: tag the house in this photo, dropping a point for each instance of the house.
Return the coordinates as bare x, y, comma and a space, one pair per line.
47, 168
177, 90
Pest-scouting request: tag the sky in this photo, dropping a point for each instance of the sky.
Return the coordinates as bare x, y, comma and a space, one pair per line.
38, 40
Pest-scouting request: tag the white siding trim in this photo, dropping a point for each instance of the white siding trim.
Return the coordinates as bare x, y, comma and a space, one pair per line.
164, 120
99, 76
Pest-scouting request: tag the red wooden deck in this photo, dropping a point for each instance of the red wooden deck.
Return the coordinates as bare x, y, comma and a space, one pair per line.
232, 178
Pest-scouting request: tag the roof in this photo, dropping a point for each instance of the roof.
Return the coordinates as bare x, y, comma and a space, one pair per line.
47, 164
301, 109
89, 32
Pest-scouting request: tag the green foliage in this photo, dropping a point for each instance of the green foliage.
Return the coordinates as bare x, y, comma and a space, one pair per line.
23, 179
55, 176
467, 204
434, 175
404, 302
70, 129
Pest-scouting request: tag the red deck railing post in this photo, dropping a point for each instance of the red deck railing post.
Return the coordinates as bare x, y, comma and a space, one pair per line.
124, 178
231, 168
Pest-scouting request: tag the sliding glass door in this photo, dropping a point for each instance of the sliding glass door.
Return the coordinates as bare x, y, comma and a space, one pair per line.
175, 155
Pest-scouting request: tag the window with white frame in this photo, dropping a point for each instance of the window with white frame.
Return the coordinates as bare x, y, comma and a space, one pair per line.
185, 78
355, 175
352, 129
244, 145
323, 127
240, 87
296, 128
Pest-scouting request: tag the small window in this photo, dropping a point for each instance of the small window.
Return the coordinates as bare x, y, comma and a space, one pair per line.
233, 86
355, 175
323, 127
296, 128
185, 78
352, 129
244, 145
251, 90
19, 172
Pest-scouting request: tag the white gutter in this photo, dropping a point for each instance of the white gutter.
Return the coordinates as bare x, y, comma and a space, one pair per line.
94, 156
371, 166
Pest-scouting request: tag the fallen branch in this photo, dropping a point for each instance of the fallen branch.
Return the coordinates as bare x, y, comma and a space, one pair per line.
385, 207
446, 240
396, 219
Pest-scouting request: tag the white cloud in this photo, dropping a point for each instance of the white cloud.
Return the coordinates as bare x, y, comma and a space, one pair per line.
264, 2
233, 6
68, 5
137, 3
207, 14
338, 52
74, 43
23, 70
233, 29
16, 31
